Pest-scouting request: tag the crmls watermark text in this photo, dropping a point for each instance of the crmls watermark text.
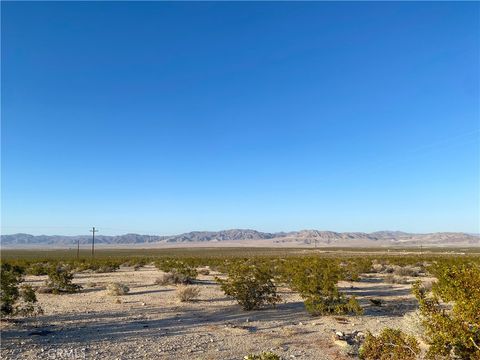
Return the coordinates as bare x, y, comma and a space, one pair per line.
71, 353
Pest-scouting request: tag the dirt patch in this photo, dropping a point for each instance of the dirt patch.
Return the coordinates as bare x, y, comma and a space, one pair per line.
150, 323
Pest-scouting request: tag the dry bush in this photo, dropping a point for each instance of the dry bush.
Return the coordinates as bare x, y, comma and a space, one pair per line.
407, 270
187, 293
377, 268
204, 272
394, 279
173, 278
117, 289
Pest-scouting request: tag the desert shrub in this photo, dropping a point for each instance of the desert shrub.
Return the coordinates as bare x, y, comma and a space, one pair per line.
204, 272
394, 279
251, 285
450, 312
180, 269
391, 344
97, 265
377, 268
265, 355
173, 278
107, 268
352, 269
16, 299
117, 289
187, 293
60, 281
407, 270
316, 281
38, 269
137, 267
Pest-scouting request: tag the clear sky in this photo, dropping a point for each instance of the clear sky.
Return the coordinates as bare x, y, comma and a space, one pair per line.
170, 117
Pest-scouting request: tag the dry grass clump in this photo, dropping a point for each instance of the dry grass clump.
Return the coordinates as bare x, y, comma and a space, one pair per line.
173, 278
187, 293
117, 289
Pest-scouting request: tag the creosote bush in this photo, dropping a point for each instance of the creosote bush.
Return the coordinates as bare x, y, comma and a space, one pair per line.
391, 344
16, 299
187, 293
316, 281
266, 355
38, 269
60, 281
251, 285
117, 289
451, 311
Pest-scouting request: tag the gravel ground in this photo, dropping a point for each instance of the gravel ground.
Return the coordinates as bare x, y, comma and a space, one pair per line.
150, 323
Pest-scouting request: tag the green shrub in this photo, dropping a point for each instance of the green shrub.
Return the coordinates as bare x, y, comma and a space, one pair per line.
251, 285
16, 299
352, 269
316, 281
266, 355
185, 273
451, 312
38, 269
60, 281
391, 344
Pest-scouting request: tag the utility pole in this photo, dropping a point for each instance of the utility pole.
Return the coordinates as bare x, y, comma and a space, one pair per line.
93, 231
78, 248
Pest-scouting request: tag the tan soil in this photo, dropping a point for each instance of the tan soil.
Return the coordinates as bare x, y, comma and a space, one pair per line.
150, 323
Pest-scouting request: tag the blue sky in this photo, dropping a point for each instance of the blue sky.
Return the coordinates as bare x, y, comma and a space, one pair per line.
171, 117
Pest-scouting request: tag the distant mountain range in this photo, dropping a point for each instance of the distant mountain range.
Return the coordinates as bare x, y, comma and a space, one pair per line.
247, 236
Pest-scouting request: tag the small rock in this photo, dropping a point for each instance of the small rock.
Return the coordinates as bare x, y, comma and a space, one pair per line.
341, 343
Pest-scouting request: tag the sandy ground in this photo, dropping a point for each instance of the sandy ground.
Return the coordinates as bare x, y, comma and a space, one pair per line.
150, 323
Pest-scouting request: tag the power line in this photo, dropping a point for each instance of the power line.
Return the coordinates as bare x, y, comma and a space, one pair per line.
93, 231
